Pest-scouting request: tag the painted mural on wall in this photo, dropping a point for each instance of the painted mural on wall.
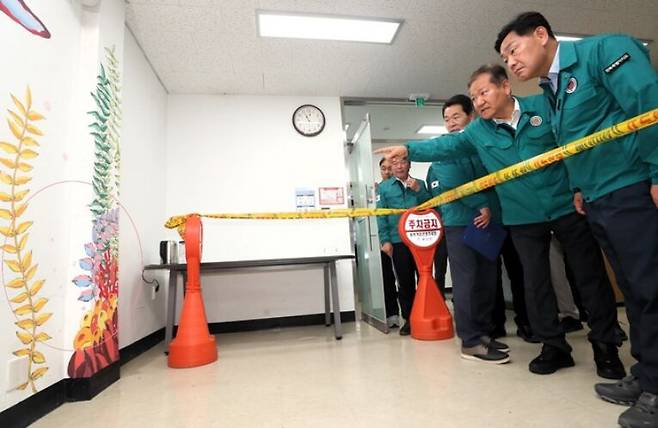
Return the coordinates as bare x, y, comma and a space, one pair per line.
21, 280
96, 344
19, 12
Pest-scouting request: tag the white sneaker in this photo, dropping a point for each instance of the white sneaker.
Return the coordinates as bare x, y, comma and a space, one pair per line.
393, 321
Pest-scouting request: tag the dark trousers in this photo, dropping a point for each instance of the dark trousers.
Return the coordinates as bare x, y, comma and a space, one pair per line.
514, 270
532, 242
405, 269
441, 265
625, 222
473, 288
390, 292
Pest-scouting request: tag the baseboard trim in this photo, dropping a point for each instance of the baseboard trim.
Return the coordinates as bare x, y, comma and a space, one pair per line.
136, 349
68, 390
279, 322
86, 388
34, 407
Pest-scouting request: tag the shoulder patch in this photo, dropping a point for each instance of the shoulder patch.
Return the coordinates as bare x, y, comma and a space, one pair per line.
617, 63
435, 184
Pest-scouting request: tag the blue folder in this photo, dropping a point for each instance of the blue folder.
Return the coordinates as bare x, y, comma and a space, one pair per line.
487, 241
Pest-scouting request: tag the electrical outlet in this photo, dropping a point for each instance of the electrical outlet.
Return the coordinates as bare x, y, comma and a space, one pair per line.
17, 372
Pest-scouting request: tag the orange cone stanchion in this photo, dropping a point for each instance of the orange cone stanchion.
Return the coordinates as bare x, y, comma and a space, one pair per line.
193, 345
430, 318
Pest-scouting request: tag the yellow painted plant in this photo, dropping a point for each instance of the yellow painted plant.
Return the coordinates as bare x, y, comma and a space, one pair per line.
23, 287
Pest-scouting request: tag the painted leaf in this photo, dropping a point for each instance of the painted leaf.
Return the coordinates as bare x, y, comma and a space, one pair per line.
39, 304
27, 260
16, 283
82, 281
18, 133
18, 196
8, 148
23, 227
22, 386
20, 298
87, 263
8, 232
38, 357
6, 178
22, 180
19, 105
26, 324
25, 167
29, 141
13, 265
42, 337
29, 154
9, 249
20, 209
24, 337
90, 249
22, 310
36, 286
17, 118
23, 241
22, 352
34, 130
30, 272
28, 98
43, 318
8, 163
33, 115
6, 214
38, 373
4, 197
86, 295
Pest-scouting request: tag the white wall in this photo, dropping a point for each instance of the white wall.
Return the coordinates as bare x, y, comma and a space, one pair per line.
46, 65
241, 154
142, 194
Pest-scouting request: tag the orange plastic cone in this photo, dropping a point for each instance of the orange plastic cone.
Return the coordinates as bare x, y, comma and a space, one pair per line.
430, 318
193, 345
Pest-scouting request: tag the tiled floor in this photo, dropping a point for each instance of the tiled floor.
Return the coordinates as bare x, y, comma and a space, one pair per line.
302, 377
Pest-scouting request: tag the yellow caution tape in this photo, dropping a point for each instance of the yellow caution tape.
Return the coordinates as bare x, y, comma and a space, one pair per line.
509, 173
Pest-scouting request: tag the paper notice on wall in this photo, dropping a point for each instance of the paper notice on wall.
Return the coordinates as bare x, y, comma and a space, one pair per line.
331, 196
304, 198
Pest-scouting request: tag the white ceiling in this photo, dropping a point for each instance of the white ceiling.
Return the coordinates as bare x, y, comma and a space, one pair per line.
212, 47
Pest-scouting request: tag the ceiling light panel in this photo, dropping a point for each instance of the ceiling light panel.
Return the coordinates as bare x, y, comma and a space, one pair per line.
327, 27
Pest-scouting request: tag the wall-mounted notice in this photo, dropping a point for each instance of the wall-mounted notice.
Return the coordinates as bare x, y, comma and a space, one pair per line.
331, 196
304, 198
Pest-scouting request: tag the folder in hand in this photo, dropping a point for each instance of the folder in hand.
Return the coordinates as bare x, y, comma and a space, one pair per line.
487, 241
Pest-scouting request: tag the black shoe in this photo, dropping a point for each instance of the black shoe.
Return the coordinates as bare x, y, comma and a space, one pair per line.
405, 330
494, 344
644, 413
625, 392
569, 324
608, 364
550, 360
525, 332
621, 334
498, 332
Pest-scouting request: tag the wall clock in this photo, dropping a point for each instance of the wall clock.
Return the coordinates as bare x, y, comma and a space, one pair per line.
308, 120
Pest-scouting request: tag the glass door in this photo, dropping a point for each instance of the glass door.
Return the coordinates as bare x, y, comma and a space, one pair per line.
369, 283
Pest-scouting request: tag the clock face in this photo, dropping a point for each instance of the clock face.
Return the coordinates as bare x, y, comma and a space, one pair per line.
308, 120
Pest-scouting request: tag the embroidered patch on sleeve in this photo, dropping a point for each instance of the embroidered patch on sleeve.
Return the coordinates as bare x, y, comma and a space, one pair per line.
617, 63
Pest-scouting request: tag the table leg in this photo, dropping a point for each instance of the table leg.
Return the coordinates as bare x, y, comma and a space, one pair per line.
171, 308
327, 303
334, 297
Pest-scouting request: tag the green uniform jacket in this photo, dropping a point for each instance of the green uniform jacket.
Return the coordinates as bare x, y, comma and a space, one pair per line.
392, 194
446, 175
539, 196
604, 80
